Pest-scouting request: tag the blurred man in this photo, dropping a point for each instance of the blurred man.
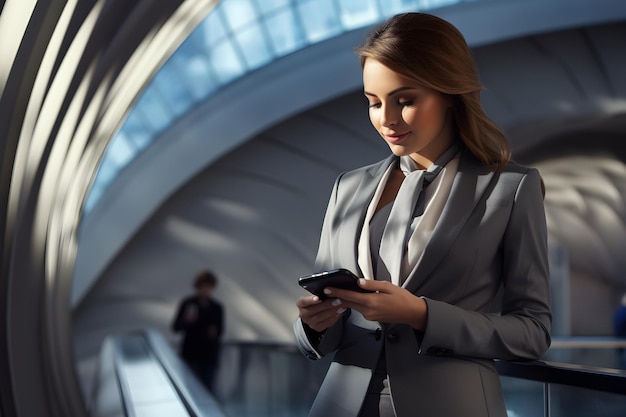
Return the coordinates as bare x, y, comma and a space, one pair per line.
200, 318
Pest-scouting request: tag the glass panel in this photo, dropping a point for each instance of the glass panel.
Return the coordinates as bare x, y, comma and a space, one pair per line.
238, 13
319, 19
391, 7
523, 398
173, 88
120, 152
201, 77
290, 381
135, 130
433, 4
253, 44
266, 6
97, 188
208, 58
107, 171
156, 113
194, 74
358, 13
579, 402
209, 32
226, 62
603, 358
284, 32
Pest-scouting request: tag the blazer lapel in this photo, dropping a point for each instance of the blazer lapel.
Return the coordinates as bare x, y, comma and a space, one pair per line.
354, 214
470, 183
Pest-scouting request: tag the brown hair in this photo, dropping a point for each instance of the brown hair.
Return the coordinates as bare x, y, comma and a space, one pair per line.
434, 53
205, 278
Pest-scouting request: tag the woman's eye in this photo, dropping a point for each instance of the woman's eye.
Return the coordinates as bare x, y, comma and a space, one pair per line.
404, 103
373, 105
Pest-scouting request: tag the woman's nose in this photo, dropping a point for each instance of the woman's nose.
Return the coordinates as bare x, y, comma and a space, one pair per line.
388, 116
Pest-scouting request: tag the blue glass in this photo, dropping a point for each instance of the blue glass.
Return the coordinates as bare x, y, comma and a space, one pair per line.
135, 130
121, 153
319, 19
239, 36
174, 88
199, 73
157, 114
192, 61
268, 6
210, 31
95, 192
434, 4
226, 62
193, 73
253, 44
580, 402
358, 13
284, 32
391, 7
107, 172
238, 13
523, 398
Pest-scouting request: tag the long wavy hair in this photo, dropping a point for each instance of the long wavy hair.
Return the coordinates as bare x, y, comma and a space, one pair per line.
434, 53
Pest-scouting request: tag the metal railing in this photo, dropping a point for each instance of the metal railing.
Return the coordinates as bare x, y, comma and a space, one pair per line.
532, 388
581, 389
265, 379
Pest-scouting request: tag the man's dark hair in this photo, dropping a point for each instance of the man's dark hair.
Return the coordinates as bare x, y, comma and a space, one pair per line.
205, 277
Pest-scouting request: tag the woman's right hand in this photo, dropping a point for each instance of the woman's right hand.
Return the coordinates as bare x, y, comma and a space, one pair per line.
317, 314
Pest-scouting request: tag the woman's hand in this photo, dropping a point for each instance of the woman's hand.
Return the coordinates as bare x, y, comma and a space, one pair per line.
388, 303
317, 314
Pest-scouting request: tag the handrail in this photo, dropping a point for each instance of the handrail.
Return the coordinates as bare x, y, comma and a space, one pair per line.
136, 368
606, 380
197, 400
589, 377
582, 376
588, 342
130, 361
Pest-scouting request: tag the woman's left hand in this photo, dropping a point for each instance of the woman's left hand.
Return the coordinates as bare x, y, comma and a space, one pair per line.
387, 303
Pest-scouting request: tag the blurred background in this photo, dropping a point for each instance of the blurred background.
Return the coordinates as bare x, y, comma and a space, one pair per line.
144, 141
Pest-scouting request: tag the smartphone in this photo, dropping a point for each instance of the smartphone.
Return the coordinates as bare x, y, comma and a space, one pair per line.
338, 278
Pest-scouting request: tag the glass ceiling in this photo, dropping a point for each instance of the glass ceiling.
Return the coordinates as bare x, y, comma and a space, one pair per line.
237, 37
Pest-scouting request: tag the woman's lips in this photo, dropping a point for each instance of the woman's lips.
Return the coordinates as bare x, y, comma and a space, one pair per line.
395, 139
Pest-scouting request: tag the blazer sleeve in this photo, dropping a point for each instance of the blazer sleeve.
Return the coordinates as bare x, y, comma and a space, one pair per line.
522, 329
324, 256
311, 344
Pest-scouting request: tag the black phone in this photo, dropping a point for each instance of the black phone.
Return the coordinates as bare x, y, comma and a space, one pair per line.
337, 278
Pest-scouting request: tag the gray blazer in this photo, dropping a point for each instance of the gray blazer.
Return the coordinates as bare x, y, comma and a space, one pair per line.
484, 275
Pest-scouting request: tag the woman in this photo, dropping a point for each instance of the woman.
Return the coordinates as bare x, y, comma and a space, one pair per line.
459, 282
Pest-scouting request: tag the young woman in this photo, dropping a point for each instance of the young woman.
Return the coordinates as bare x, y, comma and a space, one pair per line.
458, 278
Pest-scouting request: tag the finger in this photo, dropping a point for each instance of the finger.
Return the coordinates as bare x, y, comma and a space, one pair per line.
311, 310
373, 285
323, 319
348, 295
308, 301
366, 284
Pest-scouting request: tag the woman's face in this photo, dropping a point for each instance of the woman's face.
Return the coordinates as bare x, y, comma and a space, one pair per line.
412, 119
